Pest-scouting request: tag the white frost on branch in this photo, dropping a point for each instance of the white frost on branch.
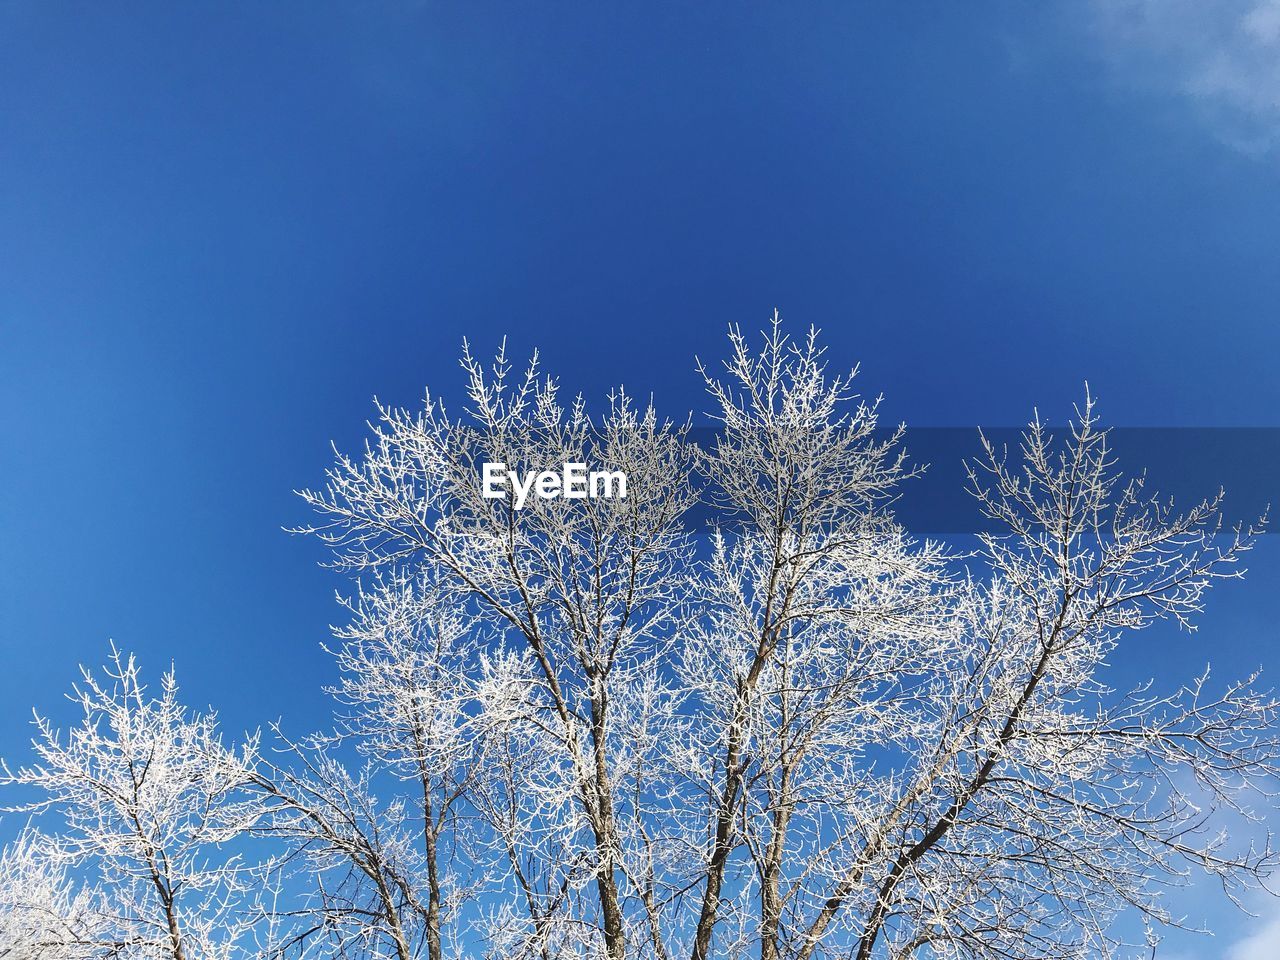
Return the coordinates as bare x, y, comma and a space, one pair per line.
150, 801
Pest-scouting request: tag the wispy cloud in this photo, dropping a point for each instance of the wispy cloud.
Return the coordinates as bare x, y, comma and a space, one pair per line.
1222, 55
1262, 945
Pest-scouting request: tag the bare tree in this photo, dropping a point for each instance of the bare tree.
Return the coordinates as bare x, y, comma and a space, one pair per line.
820, 734
405, 701
571, 729
145, 794
1032, 804
588, 589
44, 915
820, 617
358, 859
407, 661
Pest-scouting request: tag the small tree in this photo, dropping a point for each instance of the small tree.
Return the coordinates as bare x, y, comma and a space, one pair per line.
44, 915
356, 856
146, 796
404, 660
406, 702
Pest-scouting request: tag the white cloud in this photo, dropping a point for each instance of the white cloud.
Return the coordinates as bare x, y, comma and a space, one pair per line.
1222, 55
1263, 945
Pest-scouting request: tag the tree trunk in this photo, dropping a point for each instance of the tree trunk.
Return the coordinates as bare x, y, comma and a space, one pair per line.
771, 877
615, 937
434, 950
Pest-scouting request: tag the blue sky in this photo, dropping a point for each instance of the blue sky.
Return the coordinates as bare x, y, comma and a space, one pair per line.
224, 229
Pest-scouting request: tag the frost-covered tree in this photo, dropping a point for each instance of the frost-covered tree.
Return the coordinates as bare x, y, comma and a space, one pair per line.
742, 711
358, 867
392, 871
590, 592
44, 913
820, 619
1025, 805
809, 733
145, 797
407, 661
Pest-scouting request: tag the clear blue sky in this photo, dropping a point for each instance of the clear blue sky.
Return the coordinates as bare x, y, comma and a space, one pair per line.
225, 228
